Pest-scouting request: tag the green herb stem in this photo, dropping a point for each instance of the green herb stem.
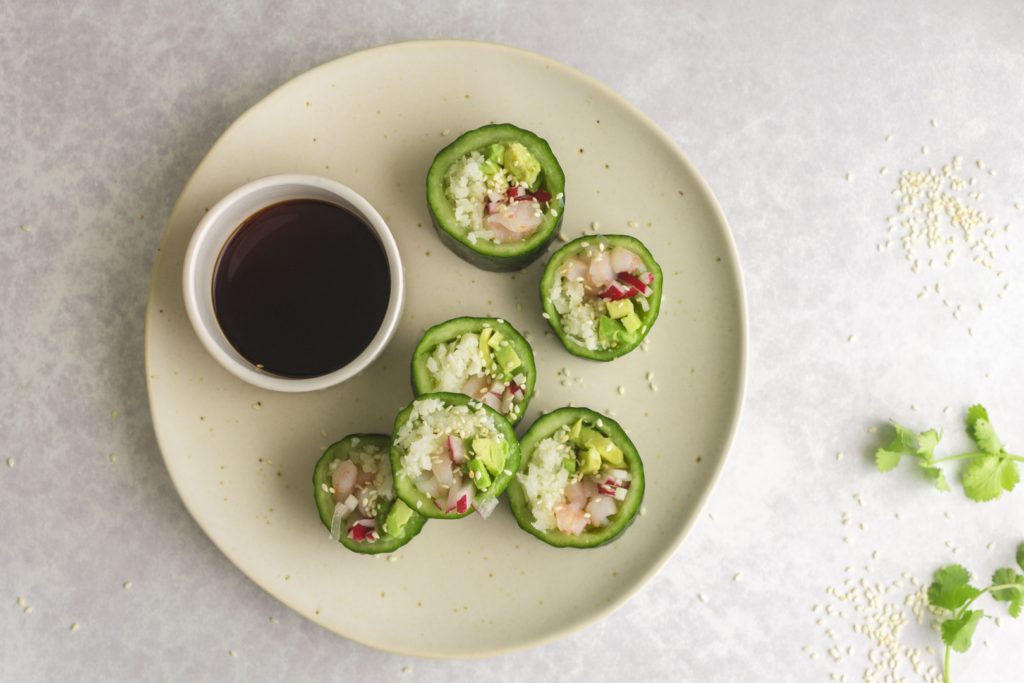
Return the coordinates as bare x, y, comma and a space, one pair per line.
977, 455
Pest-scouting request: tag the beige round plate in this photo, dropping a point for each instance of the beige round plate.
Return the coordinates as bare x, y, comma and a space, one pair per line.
242, 458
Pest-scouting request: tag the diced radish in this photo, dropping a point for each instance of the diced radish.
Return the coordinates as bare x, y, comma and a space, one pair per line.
519, 395
607, 490
443, 469
475, 386
620, 475
457, 447
439, 506
494, 207
647, 278
519, 380
484, 507
492, 401
635, 283
495, 196
620, 494
516, 191
513, 387
453, 492
465, 498
360, 530
524, 198
643, 303
497, 387
614, 292
542, 196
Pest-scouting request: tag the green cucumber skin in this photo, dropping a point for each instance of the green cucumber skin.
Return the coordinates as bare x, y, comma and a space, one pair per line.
486, 255
408, 492
646, 317
325, 501
543, 428
423, 382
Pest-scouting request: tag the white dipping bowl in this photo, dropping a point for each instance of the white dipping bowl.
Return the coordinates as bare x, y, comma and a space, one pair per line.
217, 227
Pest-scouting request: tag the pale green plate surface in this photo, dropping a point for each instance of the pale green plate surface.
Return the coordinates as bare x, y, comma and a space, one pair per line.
374, 120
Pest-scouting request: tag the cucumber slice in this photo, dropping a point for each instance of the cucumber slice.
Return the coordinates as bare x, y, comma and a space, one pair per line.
423, 380
545, 427
627, 341
325, 499
485, 254
416, 499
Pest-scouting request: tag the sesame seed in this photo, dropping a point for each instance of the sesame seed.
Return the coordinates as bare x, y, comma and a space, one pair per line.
872, 430
21, 602
273, 620
232, 653
883, 170
622, 390
849, 177
407, 670
632, 224
128, 584
10, 462
738, 577
74, 627
924, 150
935, 124
562, 236
991, 546
948, 515
852, 338
654, 387
712, 516
28, 610
839, 456
566, 383
650, 376
113, 413
545, 316
980, 163
444, 132
914, 408
703, 598
888, 138
970, 331
593, 226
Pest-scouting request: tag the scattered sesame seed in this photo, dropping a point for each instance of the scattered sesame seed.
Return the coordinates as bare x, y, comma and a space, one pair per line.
849, 177
980, 163
872, 430
712, 516
21, 602
255, 406
545, 316
924, 150
28, 610
566, 383
914, 408
622, 390
323, 433
10, 462
839, 456
883, 170
113, 413
848, 540
594, 226
703, 598
991, 546
232, 653
562, 236
444, 132
74, 627
113, 458
935, 124
26, 228
888, 138
738, 577
988, 644
128, 584
394, 558
948, 515
970, 331
643, 511
407, 670
632, 224
273, 620
654, 387
852, 338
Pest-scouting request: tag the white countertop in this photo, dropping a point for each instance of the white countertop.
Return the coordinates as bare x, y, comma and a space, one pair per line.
105, 111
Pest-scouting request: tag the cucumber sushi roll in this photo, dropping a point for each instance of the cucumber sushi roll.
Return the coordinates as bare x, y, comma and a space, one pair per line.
601, 295
484, 358
496, 196
355, 493
580, 480
452, 455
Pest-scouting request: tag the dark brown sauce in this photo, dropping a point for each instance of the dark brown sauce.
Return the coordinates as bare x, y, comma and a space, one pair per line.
301, 288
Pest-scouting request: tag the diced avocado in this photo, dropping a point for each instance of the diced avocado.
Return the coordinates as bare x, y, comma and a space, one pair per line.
611, 453
569, 465
521, 164
489, 168
574, 433
485, 347
495, 339
398, 517
508, 359
612, 331
591, 461
479, 475
491, 453
496, 154
631, 322
586, 436
619, 309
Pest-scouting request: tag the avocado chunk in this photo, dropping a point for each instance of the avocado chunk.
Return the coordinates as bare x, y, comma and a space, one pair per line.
489, 168
398, 517
574, 433
485, 347
478, 473
590, 461
619, 309
521, 164
496, 154
569, 465
631, 322
612, 331
610, 453
491, 454
508, 359
587, 435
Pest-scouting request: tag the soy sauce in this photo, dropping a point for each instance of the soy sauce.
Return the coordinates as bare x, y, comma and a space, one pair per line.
301, 288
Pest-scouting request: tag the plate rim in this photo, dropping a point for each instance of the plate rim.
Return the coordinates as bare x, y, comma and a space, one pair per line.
666, 552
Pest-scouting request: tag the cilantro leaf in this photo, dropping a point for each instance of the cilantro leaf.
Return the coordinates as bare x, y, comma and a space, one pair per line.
957, 633
1014, 596
939, 476
987, 477
1020, 556
926, 444
904, 439
981, 430
951, 588
887, 460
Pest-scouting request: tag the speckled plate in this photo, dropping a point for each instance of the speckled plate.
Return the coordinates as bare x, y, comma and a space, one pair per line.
242, 458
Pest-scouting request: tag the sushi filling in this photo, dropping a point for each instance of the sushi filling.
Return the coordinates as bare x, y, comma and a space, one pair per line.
453, 454
497, 195
363, 488
576, 480
597, 295
482, 366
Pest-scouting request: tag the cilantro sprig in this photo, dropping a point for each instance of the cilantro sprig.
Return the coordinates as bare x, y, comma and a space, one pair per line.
952, 590
991, 471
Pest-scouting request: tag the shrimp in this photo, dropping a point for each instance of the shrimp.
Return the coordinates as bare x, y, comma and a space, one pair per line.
513, 223
344, 480
600, 509
624, 261
571, 520
601, 272
574, 269
575, 495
